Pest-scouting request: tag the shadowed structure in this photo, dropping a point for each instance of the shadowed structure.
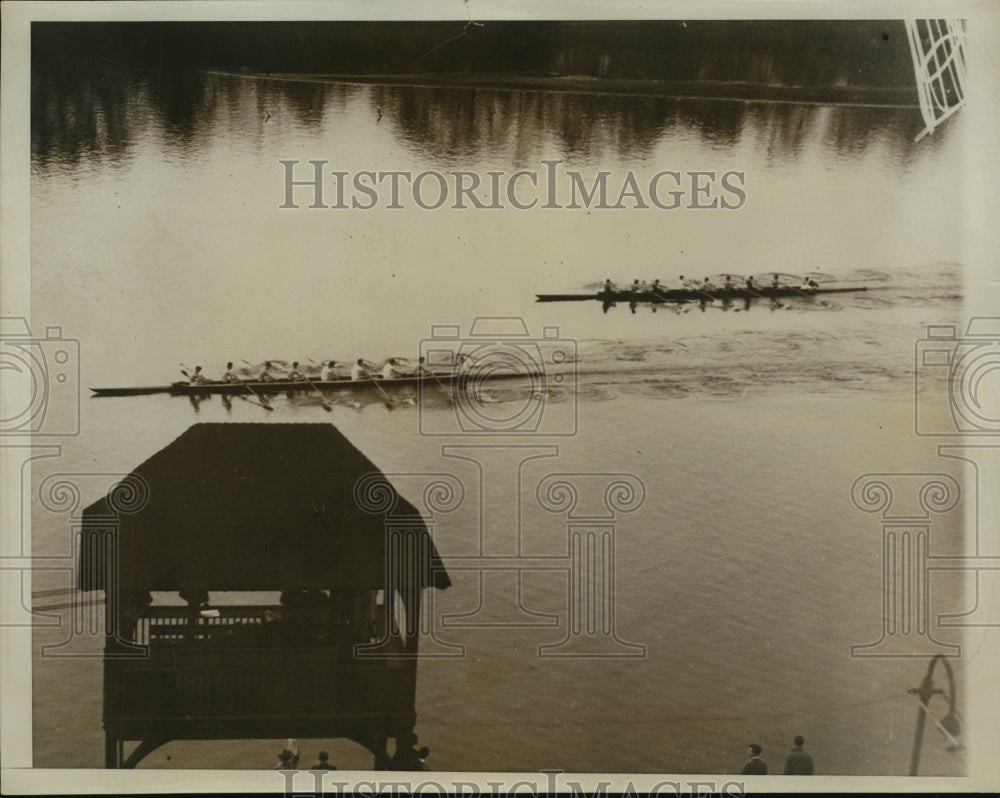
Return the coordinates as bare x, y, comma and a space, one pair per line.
294, 508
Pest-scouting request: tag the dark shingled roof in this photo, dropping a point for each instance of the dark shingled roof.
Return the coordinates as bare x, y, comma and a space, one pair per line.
254, 507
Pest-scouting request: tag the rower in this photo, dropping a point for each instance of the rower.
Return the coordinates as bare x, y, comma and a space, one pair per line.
636, 289
358, 371
707, 285
776, 283
327, 373
609, 295
463, 364
265, 373
750, 282
389, 370
230, 375
728, 283
657, 290
421, 370
295, 375
809, 282
197, 378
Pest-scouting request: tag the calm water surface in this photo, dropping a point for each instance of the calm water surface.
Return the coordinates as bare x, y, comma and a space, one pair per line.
157, 241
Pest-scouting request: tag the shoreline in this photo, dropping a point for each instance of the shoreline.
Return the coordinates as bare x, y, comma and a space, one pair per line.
735, 91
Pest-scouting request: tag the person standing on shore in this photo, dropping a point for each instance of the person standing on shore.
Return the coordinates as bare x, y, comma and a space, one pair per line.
755, 766
324, 762
799, 762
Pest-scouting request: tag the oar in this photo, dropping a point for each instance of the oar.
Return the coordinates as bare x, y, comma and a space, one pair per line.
697, 290
326, 405
447, 393
388, 401
808, 295
355, 405
260, 399
761, 296
800, 292
408, 400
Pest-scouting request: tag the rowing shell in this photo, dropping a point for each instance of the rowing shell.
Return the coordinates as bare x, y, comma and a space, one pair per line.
283, 386
688, 295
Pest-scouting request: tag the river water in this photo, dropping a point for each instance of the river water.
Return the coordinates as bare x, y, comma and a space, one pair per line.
159, 243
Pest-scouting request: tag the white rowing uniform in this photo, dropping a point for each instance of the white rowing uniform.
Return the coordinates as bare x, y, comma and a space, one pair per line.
327, 373
389, 371
358, 372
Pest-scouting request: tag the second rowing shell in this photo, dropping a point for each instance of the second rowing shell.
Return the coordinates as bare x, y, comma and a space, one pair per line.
694, 295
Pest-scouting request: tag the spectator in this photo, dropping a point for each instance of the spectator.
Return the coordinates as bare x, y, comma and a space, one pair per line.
324, 762
799, 762
755, 766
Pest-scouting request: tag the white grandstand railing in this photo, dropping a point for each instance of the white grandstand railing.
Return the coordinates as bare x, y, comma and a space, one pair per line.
938, 50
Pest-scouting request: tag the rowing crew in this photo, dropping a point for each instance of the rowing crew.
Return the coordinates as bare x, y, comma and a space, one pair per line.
693, 284
360, 370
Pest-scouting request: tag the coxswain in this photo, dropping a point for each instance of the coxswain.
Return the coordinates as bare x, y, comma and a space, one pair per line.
327, 373
295, 375
389, 370
358, 371
230, 375
197, 378
265, 373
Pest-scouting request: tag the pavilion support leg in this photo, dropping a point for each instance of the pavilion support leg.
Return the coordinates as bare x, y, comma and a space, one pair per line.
111, 750
141, 750
382, 759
